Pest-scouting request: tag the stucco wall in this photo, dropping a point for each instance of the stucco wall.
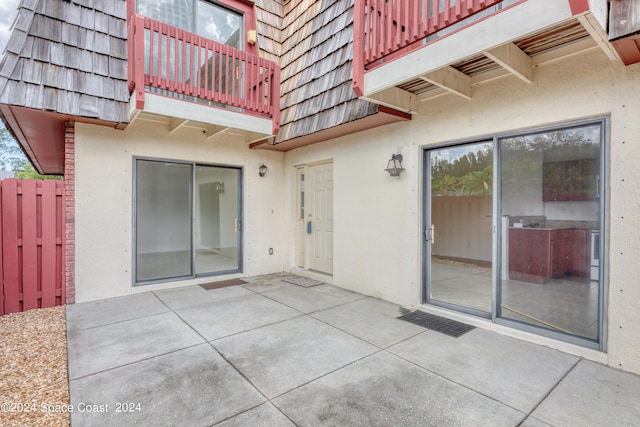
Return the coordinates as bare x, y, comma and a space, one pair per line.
104, 184
378, 218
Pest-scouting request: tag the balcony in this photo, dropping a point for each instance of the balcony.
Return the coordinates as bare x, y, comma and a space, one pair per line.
185, 79
409, 52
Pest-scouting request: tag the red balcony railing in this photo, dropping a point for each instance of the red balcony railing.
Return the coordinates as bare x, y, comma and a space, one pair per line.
386, 27
176, 63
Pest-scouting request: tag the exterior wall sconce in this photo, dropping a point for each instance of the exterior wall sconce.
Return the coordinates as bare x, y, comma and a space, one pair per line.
252, 37
262, 170
394, 167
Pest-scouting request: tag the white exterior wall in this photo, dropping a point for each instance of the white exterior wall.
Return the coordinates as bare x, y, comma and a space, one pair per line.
377, 239
104, 201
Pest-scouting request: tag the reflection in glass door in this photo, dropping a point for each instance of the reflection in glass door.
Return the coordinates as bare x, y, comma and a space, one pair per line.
163, 220
550, 207
460, 226
527, 252
216, 220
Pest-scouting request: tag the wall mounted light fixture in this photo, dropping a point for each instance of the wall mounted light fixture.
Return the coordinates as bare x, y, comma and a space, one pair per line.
262, 170
394, 166
252, 37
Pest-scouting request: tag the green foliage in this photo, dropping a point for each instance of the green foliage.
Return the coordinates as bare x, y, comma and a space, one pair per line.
470, 174
478, 183
29, 172
521, 162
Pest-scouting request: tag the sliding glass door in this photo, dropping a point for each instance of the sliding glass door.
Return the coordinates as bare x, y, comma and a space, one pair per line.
217, 219
512, 230
187, 220
550, 202
163, 220
459, 227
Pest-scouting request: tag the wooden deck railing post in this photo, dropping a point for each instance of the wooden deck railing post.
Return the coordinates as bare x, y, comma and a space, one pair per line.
275, 99
138, 58
359, 16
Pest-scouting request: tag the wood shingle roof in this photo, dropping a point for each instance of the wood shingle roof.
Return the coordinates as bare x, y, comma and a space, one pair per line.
316, 61
69, 57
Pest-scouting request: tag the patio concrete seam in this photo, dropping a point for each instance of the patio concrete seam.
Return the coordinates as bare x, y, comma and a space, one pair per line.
250, 409
160, 299
546, 395
242, 375
114, 323
460, 384
357, 337
199, 304
408, 338
280, 302
252, 329
322, 309
322, 376
137, 361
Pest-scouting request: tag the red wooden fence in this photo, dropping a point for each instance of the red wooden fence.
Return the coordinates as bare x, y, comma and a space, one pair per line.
31, 244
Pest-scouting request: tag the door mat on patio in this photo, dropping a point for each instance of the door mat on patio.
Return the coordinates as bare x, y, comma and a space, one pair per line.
430, 321
303, 281
222, 284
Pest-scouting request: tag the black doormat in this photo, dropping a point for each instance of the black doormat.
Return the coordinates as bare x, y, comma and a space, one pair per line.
441, 324
222, 284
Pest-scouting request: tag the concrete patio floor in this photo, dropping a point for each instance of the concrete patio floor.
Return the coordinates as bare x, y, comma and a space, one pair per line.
269, 353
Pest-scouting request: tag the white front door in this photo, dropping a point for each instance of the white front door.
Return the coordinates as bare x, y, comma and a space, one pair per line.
320, 217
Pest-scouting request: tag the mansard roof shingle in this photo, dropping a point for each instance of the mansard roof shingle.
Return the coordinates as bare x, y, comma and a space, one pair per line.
316, 61
69, 57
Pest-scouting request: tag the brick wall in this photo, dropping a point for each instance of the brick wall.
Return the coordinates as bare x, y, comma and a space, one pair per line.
70, 210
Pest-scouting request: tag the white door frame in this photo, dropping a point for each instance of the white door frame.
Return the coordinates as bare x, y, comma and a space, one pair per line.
327, 266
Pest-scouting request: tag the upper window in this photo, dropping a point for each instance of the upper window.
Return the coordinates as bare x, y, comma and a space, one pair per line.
204, 18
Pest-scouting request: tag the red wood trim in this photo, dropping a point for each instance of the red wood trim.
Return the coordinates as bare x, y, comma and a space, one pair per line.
629, 49
247, 8
258, 144
131, 9
359, 15
401, 114
138, 29
578, 6
275, 99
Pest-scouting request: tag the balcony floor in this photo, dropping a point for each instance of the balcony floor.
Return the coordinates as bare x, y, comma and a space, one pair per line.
501, 45
213, 121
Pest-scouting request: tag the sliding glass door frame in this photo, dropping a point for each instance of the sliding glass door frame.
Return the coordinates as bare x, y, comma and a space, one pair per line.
497, 244
193, 207
428, 233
